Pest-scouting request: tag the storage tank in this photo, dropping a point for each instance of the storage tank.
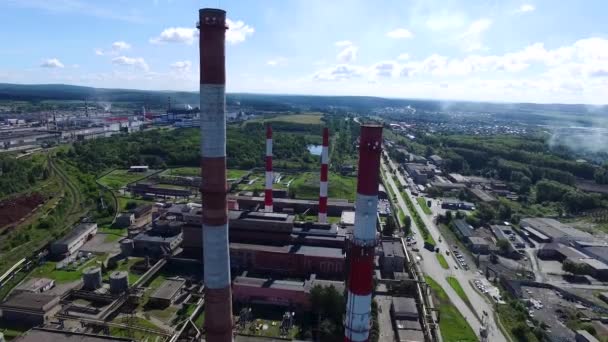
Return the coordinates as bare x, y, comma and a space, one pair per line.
126, 247
91, 278
119, 282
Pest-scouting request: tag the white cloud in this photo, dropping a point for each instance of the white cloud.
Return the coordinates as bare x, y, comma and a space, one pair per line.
339, 72
99, 52
52, 63
238, 31
526, 8
279, 61
445, 20
403, 56
182, 66
138, 62
348, 53
471, 39
176, 35
399, 33
120, 45
385, 69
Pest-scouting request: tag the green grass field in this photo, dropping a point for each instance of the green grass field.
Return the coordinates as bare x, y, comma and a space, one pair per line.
453, 325
428, 238
120, 178
306, 186
112, 234
442, 261
455, 284
423, 205
235, 174
312, 118
125, 265
183, 171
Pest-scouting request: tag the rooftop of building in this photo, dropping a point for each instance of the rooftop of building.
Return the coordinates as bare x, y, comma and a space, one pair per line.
406, 324
463, 228
77, 232
51, 335
587, 336
260, 216
393, 249
554, 229
29, 301
34, 284
600, 252
457, 177
404, 306
314, 251
336, 202
168, 289
291, 285
475, 240
595, 264
482, 195
419, 167
148, 237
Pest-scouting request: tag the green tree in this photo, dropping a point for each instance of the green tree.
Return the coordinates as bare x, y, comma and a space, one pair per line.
503, 246
407, 223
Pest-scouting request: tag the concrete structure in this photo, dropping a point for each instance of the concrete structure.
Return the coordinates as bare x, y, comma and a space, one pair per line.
536, 235
125, 220
598, 269
269, 177
288, 293
119, 282
153, 243
392, 258
52, 335
167, 293
362, 247
482, 195
29, 309
404, 308
324, 177
507, 233
91, 278
347, 218
585, 336
479, 245
35, 285
216, 257
420, 173
72, 242
437, 160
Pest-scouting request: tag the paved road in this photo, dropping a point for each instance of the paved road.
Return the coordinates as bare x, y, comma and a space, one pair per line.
431, 267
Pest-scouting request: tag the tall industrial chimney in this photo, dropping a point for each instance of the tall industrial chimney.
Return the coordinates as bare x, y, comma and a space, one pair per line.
323, 182
216, 257
360, 282
268, 188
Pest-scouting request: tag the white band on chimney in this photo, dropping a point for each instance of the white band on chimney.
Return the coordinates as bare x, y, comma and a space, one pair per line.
358, 316
325, 155
216, 256
268, 147
268, 180
323, 217
366, 208
213, 120
323, 190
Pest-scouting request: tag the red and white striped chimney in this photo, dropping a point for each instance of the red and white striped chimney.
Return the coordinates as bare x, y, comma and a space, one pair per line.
216, 257
268, 188
360, 281
323, 182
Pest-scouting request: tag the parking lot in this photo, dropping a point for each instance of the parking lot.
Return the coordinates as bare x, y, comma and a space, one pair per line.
459, 258
547, 306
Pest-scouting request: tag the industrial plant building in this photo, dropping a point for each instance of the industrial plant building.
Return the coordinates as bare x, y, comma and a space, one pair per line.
553, 230
27, 309
72, 242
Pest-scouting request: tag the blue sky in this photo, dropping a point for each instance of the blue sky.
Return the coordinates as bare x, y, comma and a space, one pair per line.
530, 50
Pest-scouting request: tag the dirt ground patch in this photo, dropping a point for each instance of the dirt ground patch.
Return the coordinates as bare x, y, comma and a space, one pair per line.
14, 209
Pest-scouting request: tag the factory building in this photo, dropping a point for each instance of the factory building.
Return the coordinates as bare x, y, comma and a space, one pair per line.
335, 207
404, 313
392, 258
288, 260
145, 189
27, 309
507, 233
72, 242
554, 230
162, 239
288, 293
124, 220
462, 229
420, 173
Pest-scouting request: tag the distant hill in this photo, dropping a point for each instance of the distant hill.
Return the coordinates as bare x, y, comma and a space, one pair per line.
286, 102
